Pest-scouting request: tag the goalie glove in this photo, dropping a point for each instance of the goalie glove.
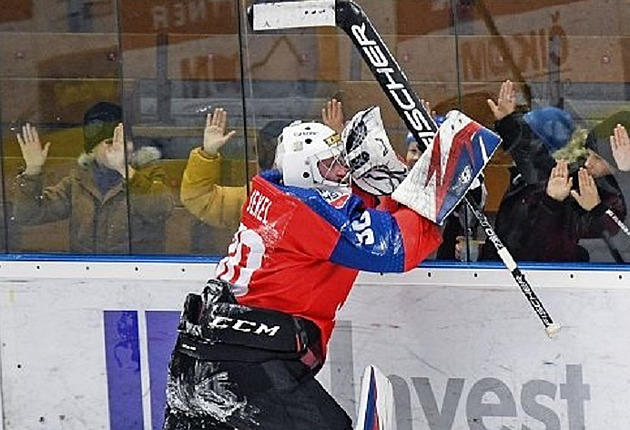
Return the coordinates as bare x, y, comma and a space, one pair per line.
374, 165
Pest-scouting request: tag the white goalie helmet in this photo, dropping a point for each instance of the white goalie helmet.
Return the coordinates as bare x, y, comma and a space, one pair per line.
301, 147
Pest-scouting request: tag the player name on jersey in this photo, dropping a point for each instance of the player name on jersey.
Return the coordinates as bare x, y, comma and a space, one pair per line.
258, 206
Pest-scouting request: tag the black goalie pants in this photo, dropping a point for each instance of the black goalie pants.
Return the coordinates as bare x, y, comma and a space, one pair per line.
229, 395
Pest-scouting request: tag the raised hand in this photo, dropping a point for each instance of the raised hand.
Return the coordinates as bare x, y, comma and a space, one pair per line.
214, 136
427, 106
114, 152
506, 102
332, 115
559, 184
588, 197
32, 151
620, 145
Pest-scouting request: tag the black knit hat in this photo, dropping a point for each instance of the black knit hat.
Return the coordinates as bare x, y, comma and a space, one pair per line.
598, 139
99, 123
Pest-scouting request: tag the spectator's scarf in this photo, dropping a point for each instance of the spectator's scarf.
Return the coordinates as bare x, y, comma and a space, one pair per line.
105, 178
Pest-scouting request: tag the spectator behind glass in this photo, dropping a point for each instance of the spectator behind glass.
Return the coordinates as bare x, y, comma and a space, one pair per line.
620, 143
541, 217
217, 207
93, 197
201, 192
267, 142
609, 137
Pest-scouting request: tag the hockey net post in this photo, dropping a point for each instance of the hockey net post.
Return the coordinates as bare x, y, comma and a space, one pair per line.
349, 17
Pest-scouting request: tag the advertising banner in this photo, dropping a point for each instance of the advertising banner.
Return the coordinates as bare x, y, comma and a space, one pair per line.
93, 353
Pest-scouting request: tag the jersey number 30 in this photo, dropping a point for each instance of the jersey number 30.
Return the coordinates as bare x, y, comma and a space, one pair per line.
245, 255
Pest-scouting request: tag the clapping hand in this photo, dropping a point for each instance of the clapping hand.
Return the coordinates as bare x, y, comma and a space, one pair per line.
214, 136
620, 145
588, 197
560, 183
32, 151
506, 102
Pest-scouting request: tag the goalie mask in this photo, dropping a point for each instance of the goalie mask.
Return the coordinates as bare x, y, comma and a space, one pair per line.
310, 155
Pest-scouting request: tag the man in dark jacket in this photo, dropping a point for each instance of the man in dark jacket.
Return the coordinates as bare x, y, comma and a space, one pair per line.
541, 217
610, 139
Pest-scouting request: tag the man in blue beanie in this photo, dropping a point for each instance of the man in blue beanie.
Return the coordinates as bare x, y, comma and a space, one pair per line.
548, 207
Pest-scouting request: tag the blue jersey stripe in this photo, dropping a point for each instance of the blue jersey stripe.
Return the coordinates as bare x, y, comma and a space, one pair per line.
372, 241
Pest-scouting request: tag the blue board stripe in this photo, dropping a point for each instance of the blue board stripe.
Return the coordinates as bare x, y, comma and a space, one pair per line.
122, 358
161, 334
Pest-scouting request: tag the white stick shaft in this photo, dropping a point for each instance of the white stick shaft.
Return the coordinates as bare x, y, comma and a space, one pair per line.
294, 14
617, 221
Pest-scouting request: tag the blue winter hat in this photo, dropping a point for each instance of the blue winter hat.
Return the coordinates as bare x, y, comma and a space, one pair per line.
552, 125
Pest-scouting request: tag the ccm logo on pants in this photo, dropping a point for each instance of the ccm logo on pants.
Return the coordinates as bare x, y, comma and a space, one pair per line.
245, 326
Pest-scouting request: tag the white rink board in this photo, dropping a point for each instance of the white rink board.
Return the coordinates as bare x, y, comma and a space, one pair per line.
468, 330
488, 338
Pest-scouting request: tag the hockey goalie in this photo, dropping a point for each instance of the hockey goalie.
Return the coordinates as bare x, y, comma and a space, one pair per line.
251, 343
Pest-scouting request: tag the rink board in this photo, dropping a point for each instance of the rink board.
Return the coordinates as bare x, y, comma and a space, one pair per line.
461, 347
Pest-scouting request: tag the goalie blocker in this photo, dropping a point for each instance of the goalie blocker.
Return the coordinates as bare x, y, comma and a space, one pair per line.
448, 168
439, 181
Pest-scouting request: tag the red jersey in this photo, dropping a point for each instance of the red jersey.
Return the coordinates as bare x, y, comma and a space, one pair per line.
299, 250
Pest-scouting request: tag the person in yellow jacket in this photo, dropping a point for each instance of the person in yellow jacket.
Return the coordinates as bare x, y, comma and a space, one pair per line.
220, 206
200, 193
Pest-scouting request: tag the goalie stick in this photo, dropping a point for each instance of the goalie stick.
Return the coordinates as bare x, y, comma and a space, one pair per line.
349, 17
618, 221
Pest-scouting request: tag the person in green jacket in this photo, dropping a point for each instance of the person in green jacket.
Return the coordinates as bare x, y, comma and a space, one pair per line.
116, 200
